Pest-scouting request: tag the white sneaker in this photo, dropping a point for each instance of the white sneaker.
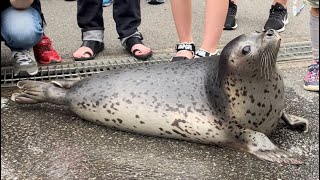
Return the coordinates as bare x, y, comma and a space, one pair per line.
200, 53
24, 62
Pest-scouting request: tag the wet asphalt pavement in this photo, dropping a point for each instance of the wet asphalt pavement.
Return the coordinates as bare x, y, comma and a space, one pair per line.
46, 141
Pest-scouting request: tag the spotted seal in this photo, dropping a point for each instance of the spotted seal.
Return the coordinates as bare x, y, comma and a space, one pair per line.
234, 100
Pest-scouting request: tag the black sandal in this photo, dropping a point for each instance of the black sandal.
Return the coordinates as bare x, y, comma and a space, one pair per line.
133, 41
181, 47
96, 48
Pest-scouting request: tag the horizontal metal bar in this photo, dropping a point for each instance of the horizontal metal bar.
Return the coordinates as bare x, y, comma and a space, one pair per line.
288, 52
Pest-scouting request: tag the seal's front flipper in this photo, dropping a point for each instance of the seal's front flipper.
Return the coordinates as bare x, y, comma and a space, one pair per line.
296, 122
260, 145
36, 92
67, 83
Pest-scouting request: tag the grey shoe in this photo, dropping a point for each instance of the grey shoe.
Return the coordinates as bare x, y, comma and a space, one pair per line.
24, 62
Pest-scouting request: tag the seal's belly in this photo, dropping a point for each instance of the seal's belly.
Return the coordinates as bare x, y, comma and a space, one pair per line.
168, 101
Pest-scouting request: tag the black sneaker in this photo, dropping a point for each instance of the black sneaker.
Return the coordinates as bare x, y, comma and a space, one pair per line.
278, 18
156, 1
230, 23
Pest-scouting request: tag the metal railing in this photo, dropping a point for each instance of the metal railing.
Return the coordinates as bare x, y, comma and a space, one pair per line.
288, 52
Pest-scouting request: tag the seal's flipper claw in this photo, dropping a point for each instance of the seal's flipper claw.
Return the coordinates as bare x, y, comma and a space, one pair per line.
67, 84
24, 99
296, 122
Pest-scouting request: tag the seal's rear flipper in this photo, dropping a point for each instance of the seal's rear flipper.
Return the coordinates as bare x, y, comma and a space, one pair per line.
36, 92
296, 122
260, 145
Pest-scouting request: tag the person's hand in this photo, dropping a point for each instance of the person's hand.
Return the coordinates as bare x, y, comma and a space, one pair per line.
21, 4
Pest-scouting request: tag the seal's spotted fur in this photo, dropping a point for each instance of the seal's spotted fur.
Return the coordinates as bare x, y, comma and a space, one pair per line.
230, 100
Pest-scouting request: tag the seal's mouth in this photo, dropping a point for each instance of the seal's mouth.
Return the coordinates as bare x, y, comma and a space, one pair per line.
272, 35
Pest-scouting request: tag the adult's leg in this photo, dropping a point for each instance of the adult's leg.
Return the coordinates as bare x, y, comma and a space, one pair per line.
314, 32
90, 20
127, 16
216, 12
282, 2
311, 81
182, 15
21, 29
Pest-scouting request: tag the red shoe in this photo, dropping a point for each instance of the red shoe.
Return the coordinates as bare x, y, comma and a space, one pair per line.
44, 52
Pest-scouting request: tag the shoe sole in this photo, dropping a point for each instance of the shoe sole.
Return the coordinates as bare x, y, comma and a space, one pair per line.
311, 88
53, 61
232, 28
283, 28
26, 73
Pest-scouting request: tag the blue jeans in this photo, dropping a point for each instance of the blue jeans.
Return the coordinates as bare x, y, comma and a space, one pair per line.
21, 29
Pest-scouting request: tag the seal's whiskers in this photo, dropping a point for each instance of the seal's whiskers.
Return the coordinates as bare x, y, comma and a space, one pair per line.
267, 63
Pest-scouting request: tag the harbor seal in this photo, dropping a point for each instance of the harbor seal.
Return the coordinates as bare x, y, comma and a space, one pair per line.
234, 100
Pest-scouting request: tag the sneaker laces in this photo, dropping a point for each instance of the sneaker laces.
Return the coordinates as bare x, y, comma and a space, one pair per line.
314, 66
44, 45
276, 12
22, 56
313, 72
232, 8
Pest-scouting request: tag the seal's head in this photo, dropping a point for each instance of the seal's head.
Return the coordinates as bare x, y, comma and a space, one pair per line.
250, 54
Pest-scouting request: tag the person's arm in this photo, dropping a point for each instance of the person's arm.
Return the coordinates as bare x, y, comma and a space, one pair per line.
21, 4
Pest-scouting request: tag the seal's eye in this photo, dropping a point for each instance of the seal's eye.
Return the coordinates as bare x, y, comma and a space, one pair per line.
246, 50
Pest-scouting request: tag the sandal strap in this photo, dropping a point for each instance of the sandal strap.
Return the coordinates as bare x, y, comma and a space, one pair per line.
204, 53
130, 42
186, 46
93, 45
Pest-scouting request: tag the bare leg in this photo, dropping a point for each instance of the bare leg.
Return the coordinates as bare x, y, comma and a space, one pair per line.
282, 2
216, 13
315, 12
182, 15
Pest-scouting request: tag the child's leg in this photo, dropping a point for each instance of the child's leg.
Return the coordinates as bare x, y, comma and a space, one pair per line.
314, 32
216, 12
182, 15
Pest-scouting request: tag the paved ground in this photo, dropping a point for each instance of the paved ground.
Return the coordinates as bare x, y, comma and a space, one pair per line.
158, 27
49, 142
